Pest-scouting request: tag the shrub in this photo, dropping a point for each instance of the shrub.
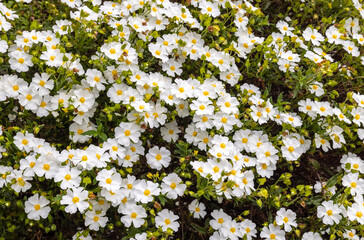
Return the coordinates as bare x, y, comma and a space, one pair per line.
193, 119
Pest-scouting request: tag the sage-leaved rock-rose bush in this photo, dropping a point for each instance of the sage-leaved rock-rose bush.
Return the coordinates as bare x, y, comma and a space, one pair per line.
191, 119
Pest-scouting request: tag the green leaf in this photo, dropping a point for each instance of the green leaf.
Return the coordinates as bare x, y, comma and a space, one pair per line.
103, 136
89, 133
199, 228
333, 180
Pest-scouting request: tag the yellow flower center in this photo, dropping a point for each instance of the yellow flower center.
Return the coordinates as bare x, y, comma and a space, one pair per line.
46, 167
245, 181
75, 200
290, 149
67, 177
21, 181
29, 97
108, 180
36, 207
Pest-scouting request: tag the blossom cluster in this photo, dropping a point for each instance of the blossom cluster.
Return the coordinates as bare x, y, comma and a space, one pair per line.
159, 118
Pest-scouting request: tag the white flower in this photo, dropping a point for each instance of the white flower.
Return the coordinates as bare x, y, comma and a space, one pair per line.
112, 50
20, 61
95, 79
355, 183
247, 228
166, 219
358, 114
53, 57
170, 131
286, 218
36, 207
109, 179
172, 186
75, 199
158, 157
197, 209
292, 149
83, 100
311, 236
313, 35
133, 214
95, 219
219, 218
69, 177
145, 190
79, 236
272, 233
329, 212
356, 212
21, 183
127, 132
